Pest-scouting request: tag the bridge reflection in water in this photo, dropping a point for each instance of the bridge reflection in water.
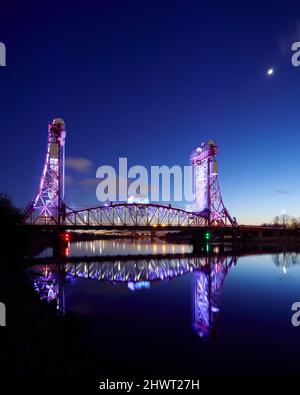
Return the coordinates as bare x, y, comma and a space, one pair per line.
208, 274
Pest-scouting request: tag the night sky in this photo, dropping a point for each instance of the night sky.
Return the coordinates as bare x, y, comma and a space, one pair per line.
151, 80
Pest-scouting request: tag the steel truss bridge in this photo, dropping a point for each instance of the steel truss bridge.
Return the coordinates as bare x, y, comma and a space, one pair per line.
208, 274
134, 215
144, 269
49, 206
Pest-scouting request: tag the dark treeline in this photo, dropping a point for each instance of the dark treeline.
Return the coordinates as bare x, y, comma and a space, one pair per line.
285, 221
11, 240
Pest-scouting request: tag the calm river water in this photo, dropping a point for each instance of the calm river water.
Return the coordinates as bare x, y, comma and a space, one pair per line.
210, 314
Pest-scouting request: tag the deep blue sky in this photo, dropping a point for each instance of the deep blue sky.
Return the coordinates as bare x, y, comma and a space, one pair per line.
151, 80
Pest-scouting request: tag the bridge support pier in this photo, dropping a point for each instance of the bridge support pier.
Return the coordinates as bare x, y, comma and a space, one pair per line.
197, 247
60, 244
153, 235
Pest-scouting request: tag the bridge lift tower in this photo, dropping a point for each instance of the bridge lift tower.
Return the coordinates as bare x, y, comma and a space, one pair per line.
208, 200
48, 206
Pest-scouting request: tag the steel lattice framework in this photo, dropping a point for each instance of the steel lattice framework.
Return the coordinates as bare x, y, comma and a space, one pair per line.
136, 270
208, 199
207, 293
137, 215
50, 285
48, 205
208, 272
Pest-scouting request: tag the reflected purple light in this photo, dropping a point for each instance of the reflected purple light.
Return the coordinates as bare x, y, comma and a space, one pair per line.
140, 285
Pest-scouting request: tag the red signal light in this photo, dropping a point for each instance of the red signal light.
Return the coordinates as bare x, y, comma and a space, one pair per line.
66, 236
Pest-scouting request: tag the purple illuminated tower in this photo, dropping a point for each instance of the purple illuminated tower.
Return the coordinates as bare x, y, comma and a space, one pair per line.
48, 206
207, 287
208, 200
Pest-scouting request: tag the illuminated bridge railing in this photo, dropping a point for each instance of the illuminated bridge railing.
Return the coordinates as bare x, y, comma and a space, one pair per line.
143, 270
136, 215
208, 275
135, 271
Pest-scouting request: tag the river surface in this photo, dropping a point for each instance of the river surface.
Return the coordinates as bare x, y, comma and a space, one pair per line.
191, 315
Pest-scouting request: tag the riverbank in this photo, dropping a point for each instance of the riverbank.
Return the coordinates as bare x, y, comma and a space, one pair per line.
36, 341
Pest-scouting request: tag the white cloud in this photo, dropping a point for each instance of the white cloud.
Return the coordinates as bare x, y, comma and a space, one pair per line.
79, 164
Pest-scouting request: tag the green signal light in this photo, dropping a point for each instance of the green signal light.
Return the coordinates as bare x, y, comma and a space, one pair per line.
207, 235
